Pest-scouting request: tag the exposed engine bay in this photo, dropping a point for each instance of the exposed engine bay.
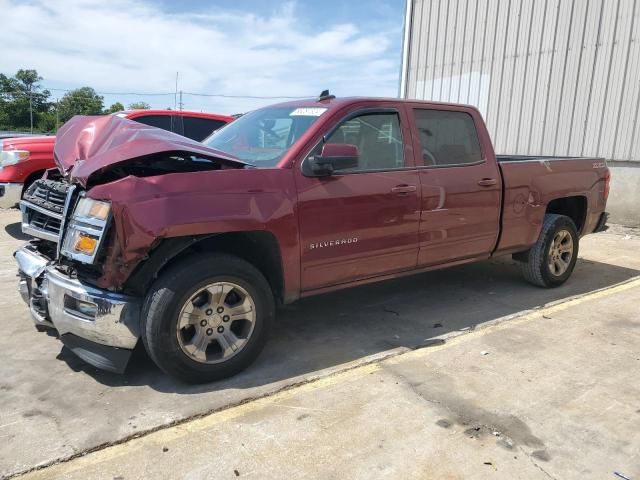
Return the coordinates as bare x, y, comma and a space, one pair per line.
159, 164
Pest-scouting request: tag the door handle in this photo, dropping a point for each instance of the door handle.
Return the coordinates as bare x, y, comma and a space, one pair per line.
400, 189
487, 182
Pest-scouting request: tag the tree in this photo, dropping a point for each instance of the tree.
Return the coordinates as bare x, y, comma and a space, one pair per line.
47, 122
116, 107
139, 106
81, 101
28, 78
22, 101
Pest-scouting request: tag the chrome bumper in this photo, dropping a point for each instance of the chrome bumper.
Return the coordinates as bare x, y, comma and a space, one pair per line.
76, 309
33, 283
10, 194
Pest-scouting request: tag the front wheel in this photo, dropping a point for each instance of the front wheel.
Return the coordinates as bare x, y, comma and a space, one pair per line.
550, 262
207, 318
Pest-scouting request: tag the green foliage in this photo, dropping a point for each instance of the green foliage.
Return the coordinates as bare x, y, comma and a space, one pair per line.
17, 93
81, 101
22, 95
116, 107
139, 106
47, 122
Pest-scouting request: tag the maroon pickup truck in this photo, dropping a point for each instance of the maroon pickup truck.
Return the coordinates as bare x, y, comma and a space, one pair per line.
146, 235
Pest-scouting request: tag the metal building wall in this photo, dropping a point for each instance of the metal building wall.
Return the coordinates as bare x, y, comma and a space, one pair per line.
551, 77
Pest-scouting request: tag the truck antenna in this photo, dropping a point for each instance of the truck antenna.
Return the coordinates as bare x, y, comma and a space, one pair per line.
325, 95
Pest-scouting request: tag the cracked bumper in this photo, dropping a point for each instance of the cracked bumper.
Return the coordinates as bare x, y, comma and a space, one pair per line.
96, 324
10, 194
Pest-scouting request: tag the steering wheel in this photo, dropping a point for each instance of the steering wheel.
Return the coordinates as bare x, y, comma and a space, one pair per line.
267, 127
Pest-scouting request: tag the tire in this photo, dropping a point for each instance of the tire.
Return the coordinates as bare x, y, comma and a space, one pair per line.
536, 266
177, 290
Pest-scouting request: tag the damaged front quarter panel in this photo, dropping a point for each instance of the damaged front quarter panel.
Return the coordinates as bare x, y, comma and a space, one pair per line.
162, 185
147, 210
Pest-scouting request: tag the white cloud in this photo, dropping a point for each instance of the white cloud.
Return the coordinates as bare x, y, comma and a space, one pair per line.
134, 45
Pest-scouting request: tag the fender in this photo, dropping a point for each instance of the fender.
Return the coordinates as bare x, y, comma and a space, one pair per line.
146, 210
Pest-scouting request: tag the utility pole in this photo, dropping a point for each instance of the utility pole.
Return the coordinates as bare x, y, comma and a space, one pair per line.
181, 104
175, 100
175, 95
31, 109
57, 114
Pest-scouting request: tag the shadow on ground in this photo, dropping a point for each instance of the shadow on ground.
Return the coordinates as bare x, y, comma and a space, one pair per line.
332, 329
15, 231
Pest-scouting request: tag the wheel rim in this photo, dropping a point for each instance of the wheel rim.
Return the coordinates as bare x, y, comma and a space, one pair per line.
216, 322
560, 253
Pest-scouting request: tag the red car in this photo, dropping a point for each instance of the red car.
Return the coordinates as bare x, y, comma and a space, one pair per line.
25, 159
188, 247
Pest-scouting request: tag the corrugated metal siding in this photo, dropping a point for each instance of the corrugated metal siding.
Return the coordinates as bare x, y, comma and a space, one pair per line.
551, 77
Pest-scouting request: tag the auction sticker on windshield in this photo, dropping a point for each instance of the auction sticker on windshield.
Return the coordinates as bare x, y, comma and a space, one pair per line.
308, 112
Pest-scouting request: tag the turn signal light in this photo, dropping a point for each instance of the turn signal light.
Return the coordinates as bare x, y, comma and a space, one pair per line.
85, 244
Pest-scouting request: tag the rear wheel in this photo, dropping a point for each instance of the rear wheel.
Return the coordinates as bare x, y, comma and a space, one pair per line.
207, 318
550, 262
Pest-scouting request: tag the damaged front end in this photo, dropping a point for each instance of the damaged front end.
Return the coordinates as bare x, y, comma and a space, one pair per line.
64, 271
100, 326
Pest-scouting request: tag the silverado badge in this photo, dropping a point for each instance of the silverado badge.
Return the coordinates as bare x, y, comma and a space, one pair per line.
333, 243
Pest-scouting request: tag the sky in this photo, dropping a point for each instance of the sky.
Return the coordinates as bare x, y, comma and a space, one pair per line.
287, 48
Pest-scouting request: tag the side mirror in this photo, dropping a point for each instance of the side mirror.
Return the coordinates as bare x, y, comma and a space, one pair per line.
334, 156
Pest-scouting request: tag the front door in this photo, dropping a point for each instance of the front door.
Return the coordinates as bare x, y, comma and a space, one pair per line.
361, 222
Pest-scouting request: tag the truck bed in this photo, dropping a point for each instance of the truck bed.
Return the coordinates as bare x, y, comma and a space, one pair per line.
531, 183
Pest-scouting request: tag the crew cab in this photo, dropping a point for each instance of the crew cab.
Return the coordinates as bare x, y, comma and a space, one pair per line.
24, 159
189, 247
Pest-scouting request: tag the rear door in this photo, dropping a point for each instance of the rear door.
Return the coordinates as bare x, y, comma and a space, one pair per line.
461, 185
362, 222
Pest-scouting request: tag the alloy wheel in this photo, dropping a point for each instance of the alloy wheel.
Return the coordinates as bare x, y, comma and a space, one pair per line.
216, 322
560, 253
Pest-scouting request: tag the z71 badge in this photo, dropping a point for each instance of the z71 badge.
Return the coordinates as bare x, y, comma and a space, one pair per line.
333, 243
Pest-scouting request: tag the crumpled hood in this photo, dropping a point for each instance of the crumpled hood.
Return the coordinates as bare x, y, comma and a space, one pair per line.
87, 144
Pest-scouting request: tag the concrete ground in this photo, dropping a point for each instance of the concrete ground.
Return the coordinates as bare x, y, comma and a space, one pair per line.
505, 388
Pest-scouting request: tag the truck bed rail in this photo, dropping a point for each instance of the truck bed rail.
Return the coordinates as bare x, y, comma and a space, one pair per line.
530, 158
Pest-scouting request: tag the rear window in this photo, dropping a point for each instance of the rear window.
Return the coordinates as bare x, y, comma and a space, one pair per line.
198, 128
160, 121
447, 137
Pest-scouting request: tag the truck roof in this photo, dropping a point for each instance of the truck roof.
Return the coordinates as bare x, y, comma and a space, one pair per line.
132, 113
337, 102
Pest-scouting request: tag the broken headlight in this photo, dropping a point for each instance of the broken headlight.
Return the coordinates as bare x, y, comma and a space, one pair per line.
84, 232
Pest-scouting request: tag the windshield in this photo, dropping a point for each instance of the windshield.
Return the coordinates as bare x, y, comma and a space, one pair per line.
262, 137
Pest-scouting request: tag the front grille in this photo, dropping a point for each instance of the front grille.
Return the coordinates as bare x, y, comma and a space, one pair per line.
45, 222
48, 194
43, 209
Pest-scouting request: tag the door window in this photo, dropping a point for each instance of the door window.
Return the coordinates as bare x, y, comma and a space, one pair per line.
378, 138
198, 128
447, 137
